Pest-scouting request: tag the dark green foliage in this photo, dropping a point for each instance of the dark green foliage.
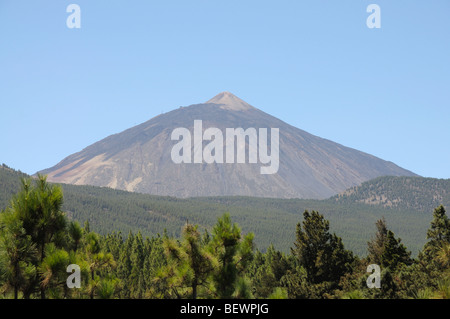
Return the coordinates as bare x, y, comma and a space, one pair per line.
17, 253
394, 253
385, 250
53, 271
434, 259
389, 287
321, 254
233, 255
269, 219
36, 215
36, 246
215, 259
75, 235
267, 270
439, 232
376, 246
189, 262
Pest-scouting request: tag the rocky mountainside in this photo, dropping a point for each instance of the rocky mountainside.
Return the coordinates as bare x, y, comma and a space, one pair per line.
139, 159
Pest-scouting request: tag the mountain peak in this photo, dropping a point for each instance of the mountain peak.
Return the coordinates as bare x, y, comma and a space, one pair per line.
229, 101
140, 159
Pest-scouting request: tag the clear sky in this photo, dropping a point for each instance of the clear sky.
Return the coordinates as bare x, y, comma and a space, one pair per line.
314, 64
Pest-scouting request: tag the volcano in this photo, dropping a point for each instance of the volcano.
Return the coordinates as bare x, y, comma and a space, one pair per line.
140, 159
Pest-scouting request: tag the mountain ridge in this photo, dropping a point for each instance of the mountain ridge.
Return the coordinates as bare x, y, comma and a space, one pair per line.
138, 159
416, 193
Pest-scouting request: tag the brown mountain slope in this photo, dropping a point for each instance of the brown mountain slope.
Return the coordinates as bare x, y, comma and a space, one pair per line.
139, 159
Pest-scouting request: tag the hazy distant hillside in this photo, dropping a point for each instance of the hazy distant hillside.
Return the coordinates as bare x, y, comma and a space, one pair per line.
408, 193
272, 220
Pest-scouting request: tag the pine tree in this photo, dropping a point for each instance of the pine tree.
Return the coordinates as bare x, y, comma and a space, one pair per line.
439, 231
438, 235
443, 256
340, 261
75, 235
321, 254
200, 262
17, 253
154, 260
189, 261
53, 270
233, 254
97, 261
375, 247
38, 208
394, 253
297, 284
278, 262
137, 257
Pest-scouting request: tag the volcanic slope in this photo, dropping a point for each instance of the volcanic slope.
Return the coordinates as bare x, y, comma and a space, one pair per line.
139, 159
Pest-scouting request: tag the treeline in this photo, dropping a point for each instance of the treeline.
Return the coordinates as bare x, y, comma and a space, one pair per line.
271, 220
38, 242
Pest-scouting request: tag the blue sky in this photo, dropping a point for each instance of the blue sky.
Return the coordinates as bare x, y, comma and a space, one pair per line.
314, 64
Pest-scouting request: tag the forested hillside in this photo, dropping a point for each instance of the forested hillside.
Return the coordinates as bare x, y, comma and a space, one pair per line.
39, 246
406, 193
271, 220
